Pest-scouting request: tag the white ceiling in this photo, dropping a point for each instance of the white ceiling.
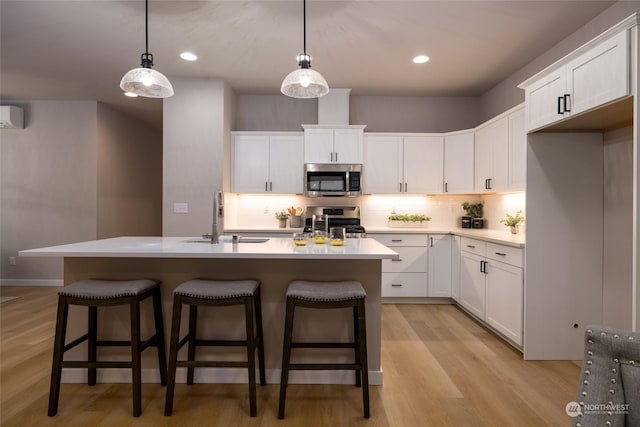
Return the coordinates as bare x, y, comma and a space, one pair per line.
59, 49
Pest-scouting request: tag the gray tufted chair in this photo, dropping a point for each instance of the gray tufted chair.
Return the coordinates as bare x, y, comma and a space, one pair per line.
609, 389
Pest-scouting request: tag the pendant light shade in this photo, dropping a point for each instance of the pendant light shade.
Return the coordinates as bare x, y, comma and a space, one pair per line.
144, 80
304, 82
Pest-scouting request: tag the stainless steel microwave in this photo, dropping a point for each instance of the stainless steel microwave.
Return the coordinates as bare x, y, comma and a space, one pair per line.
332, 179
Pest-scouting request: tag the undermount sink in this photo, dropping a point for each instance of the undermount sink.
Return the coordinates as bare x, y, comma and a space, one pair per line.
227, 239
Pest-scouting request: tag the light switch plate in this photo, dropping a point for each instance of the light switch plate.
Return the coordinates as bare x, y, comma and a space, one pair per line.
180, 208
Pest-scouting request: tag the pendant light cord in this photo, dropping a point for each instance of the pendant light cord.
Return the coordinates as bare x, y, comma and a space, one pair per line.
146, 26
304, 26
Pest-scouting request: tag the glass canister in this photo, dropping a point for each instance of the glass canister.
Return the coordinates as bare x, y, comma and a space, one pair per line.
320, 223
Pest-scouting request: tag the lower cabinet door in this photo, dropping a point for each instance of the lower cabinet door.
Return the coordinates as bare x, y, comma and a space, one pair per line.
504, 299
404, 284
472, 283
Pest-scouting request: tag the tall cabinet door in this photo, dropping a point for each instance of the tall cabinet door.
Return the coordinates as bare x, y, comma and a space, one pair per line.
458, 163
251, 164
423, 164
492, 156
383, 164
439, 266
472, 283
517, 151
285, 164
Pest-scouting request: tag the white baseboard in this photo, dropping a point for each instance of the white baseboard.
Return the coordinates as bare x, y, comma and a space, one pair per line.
220, 375
31, 282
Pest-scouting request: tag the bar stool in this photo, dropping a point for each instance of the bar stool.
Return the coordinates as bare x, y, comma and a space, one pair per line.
216, 293
326, 295
102, 293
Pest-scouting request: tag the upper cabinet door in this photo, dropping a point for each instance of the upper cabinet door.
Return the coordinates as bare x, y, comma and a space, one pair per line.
492, 156
517, 151
382, 167
600, 75
251, 164
347, 145
285, 164
423, 164
458, 163
318, 145
544, 100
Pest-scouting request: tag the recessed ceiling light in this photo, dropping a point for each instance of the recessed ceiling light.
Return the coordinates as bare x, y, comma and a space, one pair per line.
420, 59
131, 94
188, 56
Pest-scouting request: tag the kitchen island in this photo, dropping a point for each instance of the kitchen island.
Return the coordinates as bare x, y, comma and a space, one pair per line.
274, 262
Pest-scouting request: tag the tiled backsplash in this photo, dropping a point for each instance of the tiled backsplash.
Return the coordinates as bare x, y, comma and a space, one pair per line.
258, 211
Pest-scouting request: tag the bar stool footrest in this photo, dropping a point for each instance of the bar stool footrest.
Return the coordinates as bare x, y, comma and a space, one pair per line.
83, 364
210, 364
323, 345
324, 366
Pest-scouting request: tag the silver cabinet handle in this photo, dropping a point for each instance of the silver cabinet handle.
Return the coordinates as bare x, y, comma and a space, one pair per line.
405, 187
446, 187
401, 187
396, 285
331, 154
471, 246
501, 254
266, 186
336, 156
270, 186
396, 240
431, 241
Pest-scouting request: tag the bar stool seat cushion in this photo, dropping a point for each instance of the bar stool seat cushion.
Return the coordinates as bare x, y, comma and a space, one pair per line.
217, 289
325, 291
107, 289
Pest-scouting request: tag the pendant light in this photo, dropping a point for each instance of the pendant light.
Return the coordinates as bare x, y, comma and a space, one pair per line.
304, 82
144, 80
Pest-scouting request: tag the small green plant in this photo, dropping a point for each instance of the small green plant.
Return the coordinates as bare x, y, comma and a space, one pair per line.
513, 220
409, 217
474, 210
282, 215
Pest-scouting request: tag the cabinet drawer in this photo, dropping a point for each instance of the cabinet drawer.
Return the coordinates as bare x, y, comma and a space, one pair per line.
412, 260
404, 284
473, 246
506, 254
401, 239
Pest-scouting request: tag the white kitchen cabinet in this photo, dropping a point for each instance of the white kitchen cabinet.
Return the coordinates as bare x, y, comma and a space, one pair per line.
491, 285
492, 156
596, 74
455, 268
439, 265
326, 144
406, 277
408, 164
517, 151
267, 163
459, 162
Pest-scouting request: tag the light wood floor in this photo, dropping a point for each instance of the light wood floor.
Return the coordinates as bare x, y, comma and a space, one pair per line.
440, 368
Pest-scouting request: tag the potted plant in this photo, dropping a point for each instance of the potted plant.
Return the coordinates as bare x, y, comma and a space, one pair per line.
282, 216
513, 221
408, 220
474, 218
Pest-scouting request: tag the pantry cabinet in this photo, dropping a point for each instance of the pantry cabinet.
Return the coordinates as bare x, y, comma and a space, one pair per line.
408, 164
492, 156
267, 162
328, 144
491, 285
595, 75
459, 162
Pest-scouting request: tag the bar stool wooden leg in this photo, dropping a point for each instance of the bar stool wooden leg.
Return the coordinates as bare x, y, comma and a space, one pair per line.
251, 355
58, 350
362, 335
286, 356
356, 348
160, 341
136, 362
173, 353
91, 343
191, 352
258, 304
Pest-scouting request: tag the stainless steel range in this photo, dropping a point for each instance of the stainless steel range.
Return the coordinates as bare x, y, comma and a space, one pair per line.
337, 216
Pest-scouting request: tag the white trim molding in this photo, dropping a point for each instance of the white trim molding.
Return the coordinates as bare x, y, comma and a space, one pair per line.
31, 282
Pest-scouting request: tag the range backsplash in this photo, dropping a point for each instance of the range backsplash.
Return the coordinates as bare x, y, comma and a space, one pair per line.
258, 211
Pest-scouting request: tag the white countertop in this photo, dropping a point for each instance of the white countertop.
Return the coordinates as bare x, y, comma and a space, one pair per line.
502, 237
190, 247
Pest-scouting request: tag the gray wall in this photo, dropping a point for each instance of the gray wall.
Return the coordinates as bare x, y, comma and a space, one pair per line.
48, 184
129, 154
194, 122
274, 113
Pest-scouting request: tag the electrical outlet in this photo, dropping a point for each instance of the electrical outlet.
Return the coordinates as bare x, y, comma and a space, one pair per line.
180, 208
266, 209
12, 260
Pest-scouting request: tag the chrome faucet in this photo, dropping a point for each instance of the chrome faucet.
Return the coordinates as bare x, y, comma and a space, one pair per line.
218, 217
